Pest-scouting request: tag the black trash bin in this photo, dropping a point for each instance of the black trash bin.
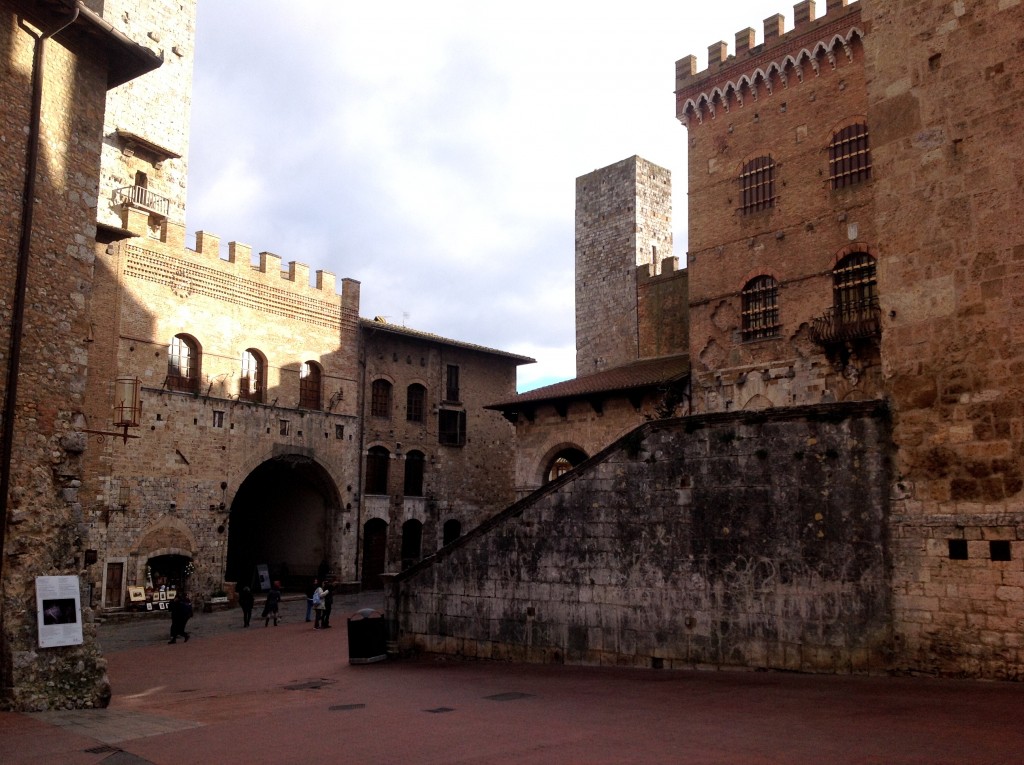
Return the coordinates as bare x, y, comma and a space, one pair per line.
367, 637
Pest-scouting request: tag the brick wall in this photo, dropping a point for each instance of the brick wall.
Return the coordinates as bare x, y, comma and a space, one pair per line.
783, 98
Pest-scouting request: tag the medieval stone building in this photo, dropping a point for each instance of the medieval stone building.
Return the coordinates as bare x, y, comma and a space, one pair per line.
60, 60
845, 496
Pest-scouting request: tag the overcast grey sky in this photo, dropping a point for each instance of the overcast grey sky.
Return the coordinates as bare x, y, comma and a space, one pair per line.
430, 149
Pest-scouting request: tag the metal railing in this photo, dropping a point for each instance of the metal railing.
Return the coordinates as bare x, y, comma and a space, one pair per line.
849, 321
140, 196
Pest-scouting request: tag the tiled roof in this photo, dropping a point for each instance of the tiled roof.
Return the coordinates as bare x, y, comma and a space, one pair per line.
380, 325
645, 373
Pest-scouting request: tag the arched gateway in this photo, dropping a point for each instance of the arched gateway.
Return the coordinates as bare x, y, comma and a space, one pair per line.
282, 516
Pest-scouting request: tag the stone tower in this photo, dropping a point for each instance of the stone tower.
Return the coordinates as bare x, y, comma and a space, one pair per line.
145, 131
623, 220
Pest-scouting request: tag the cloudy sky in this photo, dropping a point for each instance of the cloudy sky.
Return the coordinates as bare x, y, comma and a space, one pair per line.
430, 149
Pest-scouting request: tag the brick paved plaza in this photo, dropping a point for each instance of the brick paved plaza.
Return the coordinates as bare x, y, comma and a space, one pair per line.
289, 695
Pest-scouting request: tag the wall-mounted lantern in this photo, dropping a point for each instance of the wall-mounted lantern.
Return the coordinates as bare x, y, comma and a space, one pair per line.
124, 496
127, 408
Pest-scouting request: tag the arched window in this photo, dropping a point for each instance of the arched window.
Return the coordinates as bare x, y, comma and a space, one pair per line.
760, 308
563, 462
414, 462
377, 459
380, 398
253, 382
310, 376
412, 538
854, 288
849, 158
757, 185
452, 531
415, 403
183, 359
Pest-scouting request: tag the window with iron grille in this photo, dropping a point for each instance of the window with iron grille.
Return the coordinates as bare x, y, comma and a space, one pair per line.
757, 185
183, 364
760, 308
451, 389
414, 462
415, 400
310, 376
854, 288
377, 459
380, 399
451, 427
252, 383
849, 158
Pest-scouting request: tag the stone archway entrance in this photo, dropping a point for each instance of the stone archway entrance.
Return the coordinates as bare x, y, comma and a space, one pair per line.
282, 517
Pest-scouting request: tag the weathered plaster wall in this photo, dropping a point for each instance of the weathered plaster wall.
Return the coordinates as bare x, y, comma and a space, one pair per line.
747, 539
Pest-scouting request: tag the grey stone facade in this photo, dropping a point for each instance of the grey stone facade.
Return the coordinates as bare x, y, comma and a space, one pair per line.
743, 539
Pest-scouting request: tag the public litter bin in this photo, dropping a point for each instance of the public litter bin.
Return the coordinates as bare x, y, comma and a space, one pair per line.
367, 637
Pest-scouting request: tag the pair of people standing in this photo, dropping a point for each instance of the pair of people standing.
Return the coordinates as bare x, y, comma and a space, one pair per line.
322, 601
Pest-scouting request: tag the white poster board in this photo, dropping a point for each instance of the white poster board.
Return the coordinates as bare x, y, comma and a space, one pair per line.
58, 611
263, 572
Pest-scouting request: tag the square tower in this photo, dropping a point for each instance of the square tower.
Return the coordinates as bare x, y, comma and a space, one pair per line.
623, 221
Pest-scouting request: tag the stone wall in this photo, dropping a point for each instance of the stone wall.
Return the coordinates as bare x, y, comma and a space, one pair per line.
663, 311
43, 534
746, 539
623, 220
947, 196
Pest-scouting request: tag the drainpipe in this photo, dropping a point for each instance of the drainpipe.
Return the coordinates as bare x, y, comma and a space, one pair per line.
21, 281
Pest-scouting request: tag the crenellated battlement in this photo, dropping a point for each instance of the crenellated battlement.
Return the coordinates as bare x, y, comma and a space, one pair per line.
269, 265
669, 269
782, 59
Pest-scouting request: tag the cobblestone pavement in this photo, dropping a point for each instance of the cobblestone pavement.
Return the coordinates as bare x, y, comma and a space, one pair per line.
289, 695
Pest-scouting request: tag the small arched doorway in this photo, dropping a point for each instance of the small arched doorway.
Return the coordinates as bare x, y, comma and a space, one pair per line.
452, 531
375, 549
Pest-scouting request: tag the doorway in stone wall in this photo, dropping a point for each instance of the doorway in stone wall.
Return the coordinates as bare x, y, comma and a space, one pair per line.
281, 517
167, 572
375, 548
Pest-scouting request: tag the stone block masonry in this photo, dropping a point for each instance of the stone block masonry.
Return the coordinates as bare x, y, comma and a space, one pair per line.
745, 539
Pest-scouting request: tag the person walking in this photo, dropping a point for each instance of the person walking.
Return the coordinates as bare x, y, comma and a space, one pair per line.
309, 598
246, 600
328, 599
318, 607
271, 606
181, 612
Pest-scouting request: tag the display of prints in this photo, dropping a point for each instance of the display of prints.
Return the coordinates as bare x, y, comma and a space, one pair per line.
136, 594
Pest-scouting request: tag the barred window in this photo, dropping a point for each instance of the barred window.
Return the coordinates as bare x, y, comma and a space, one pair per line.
849, 158
380, 398
183, 364
854, 286
760, 308
310, 376
415, 399
757, 185
252, 383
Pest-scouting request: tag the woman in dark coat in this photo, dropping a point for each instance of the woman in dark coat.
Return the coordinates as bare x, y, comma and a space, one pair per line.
181, 612
270, 608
